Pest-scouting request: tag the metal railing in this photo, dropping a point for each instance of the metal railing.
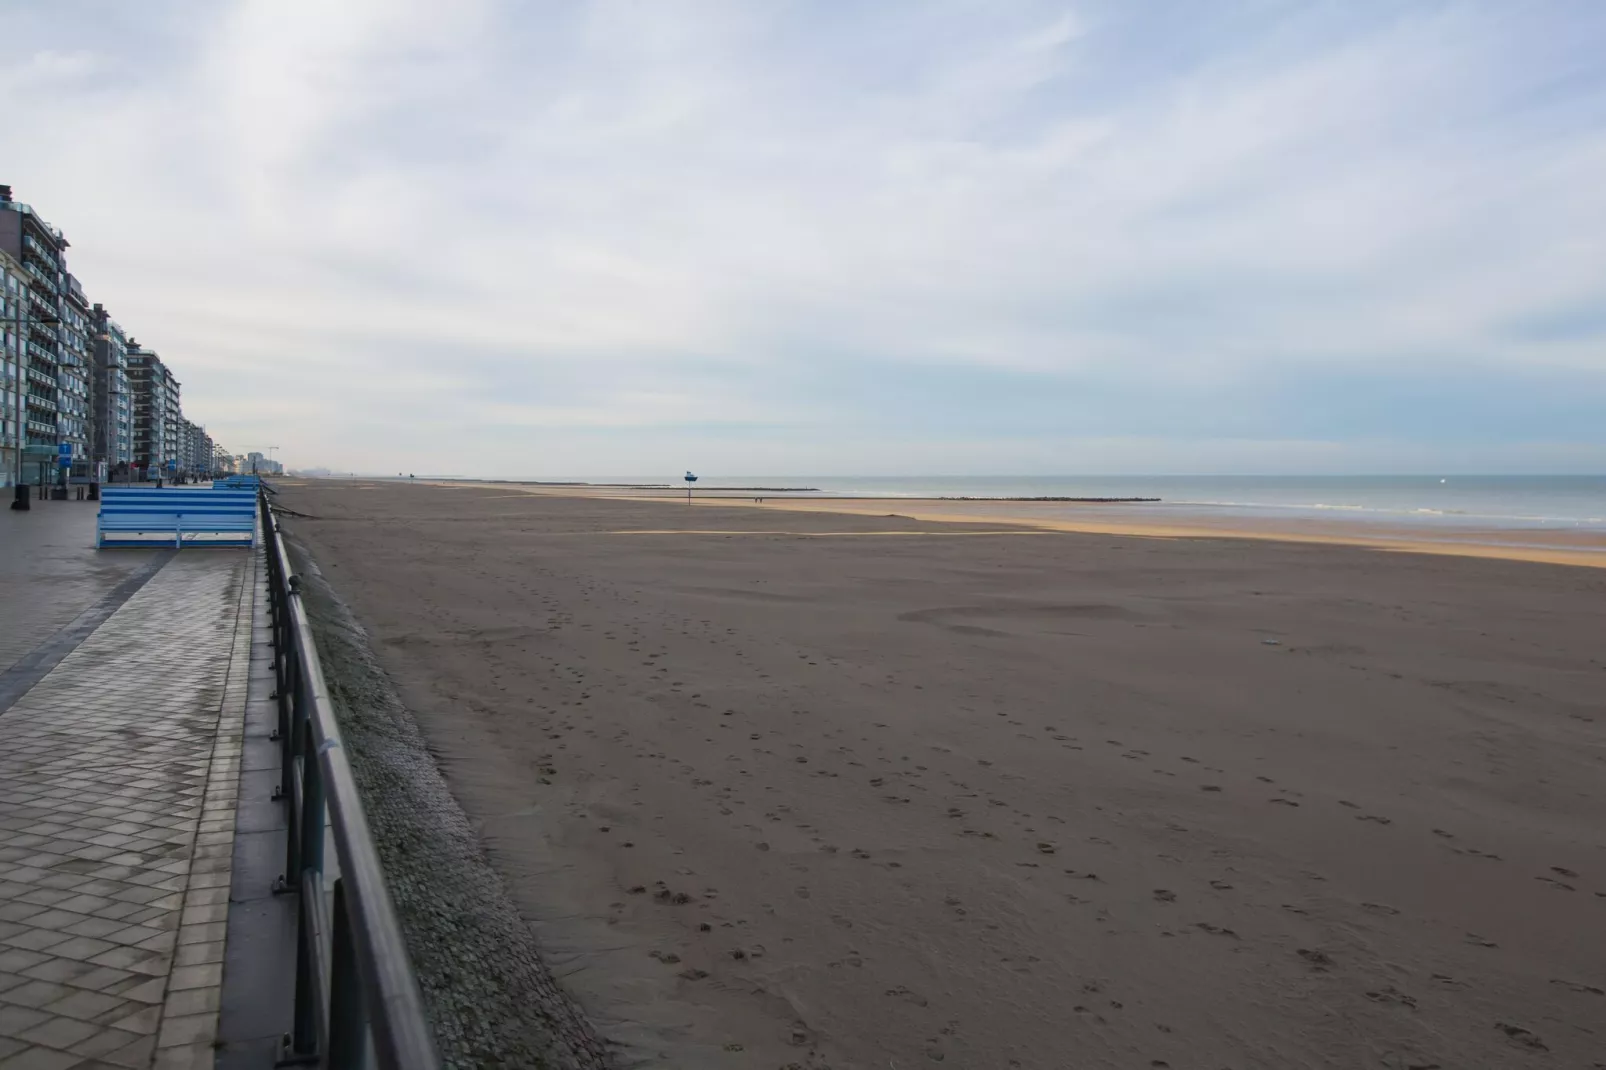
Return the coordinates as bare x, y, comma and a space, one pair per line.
357, 1003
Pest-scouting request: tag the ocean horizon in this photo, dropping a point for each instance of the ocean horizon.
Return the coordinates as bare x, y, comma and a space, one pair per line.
1567, 502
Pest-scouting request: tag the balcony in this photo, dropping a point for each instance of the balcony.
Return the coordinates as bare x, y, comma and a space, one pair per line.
43, 275
29, 241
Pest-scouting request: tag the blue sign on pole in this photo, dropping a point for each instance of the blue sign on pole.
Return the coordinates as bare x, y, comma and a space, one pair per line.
64, 454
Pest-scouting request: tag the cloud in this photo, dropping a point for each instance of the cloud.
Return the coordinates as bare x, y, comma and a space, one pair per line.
451, 237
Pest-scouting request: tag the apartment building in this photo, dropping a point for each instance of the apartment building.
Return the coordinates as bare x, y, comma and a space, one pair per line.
112, 449
41, 250
174, 414
73, 381
147, 383
13, 354
195, 451
74, 372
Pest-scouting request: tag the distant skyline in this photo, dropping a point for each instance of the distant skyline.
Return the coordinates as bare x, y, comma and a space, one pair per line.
769, 236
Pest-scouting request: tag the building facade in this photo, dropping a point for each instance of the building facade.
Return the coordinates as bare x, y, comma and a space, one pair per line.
174, 430
256, 462
72, 383
111, 407
41, 250
13, 354
194, 454
74, 372
147, 383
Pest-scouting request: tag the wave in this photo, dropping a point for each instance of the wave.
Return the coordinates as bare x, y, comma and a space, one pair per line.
1378, 510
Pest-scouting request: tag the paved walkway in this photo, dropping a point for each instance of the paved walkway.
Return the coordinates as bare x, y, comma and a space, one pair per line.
50, 572
122, 697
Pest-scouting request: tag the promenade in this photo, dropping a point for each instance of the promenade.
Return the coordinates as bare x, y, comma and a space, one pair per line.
122, 701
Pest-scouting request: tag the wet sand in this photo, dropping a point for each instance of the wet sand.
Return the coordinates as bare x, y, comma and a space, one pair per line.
881, 792
1556, 545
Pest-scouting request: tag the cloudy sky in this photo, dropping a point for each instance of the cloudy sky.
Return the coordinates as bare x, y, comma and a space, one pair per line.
789, 237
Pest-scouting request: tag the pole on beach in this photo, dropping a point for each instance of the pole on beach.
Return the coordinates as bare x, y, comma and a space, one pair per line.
690, 479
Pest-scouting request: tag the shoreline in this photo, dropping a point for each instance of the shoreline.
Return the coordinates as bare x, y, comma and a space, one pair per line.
1573, 549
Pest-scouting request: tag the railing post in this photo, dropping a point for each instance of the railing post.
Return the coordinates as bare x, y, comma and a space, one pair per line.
304, 1040
312, 814
348, 1025
298, 752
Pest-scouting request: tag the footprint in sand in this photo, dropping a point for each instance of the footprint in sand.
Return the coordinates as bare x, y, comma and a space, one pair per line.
900, 992
1475, 853
1522, 1038
1319, 961
1390, 994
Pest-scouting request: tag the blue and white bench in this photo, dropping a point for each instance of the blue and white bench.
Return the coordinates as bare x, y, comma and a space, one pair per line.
176, 516
236, 483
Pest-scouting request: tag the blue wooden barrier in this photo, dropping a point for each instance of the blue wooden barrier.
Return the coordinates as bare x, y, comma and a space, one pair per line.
176, 516
236, 483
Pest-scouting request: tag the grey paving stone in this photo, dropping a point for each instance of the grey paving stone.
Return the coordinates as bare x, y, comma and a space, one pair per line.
115, 760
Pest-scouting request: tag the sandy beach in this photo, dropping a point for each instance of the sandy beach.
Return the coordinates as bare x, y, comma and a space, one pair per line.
826, 787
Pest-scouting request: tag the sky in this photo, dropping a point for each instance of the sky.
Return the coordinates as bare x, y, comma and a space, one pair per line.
548, 239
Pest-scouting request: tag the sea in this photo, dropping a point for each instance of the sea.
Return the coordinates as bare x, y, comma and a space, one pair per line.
1524, 502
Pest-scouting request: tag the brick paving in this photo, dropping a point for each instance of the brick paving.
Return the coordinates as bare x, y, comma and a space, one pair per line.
119, 774
50, 572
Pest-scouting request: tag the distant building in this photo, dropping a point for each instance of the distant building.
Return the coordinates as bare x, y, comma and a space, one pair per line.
256, 462
13, 355
73, 374
195, 452
41, 251
155, 432
111, 404
70, 376
174, 417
